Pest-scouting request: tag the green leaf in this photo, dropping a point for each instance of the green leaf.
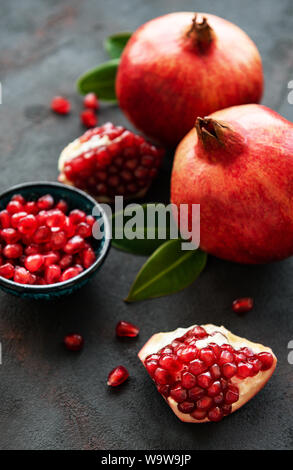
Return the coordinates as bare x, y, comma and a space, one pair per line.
100, 80
167, 271
115, 44
139, 246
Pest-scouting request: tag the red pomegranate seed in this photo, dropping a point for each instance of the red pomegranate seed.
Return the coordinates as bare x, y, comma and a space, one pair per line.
117, 376
231, 395
186, 406
55, 218
45, 202
207, 356
204, 403
62, 206
51, 258
60, 105
88, 257
242, 305
215, 371
88, 118
266, 359
34, 262
74, 342
27, 225
19, 198
178, 393
187, 354
199, 414
244, 369
13, 250
13, 207
196, 393
91, 101
10, 235
229, 370
66, 261
58, 240
124, 328
169, 362
77, 216
15, 218
204, 380
215, 414
197, 367
52, 274
74, 245
226, 356
4, 219
7, 270
162, 376
68, 274
22, 276
188, 380
31, 207
214, 389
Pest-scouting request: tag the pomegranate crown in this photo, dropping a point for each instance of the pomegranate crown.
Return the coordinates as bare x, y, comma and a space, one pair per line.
201, 32
216, 135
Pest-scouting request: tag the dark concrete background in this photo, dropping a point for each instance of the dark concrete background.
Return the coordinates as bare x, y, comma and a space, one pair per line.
53, 399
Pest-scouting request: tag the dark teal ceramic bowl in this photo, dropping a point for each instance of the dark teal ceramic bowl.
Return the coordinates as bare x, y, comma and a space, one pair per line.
76, 199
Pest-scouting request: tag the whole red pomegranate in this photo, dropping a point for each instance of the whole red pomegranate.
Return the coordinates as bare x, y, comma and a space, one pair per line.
238, 165
183, 65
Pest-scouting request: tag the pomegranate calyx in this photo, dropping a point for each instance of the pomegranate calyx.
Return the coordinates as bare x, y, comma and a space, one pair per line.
214, 135
201, 33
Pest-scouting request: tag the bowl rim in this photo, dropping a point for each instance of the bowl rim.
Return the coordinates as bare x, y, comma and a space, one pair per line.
70, 282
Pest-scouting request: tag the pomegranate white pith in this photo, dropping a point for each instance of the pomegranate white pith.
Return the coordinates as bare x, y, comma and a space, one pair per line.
248, 387
109, 160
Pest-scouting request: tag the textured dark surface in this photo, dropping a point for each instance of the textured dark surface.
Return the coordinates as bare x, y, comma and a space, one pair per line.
53, 399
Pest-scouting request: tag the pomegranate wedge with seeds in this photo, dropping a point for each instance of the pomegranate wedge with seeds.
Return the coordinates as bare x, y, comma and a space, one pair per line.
206, 372
107, 161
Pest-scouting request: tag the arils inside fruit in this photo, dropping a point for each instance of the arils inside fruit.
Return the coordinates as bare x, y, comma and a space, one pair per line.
226, 373
108, 161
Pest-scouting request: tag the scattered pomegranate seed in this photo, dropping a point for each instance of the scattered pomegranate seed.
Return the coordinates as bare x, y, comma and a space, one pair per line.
74, 342
242, 305
91, 101
203, 380
124, 328
117, 376
60, 105
88, 118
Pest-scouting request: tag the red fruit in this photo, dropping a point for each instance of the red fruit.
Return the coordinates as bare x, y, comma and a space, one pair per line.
124, 328
22, 276
58, 240
199, 391
19, 198
242, 305
15, 218
62, 206
4, 219
74, 342
55, 218
91, 101
186, 53
77, 216
243, 218
42, 234
83, 230
34, 262
74, 245
51, 258
108, 161
88, 118
60, 105
13, 207
117, 376
88, 257
27, 225
7, 270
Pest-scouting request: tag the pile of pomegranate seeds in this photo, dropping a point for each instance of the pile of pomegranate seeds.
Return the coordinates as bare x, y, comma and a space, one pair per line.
198, 375
117, 376
242, 305
110, 161
60, 105
126, 329
40, 244
73, 342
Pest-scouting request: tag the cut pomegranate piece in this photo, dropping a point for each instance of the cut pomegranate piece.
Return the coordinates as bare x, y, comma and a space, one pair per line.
227, 372
60, 105
117, 376
124, 328
108, 161
74, 342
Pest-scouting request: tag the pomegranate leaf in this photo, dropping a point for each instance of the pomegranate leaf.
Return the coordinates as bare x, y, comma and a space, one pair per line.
100, 80
115, 44
168, 270
139, 246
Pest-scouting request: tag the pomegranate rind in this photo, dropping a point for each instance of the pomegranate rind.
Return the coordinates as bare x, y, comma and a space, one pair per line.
248, 387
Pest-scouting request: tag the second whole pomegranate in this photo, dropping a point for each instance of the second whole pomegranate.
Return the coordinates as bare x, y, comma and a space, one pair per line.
237, 164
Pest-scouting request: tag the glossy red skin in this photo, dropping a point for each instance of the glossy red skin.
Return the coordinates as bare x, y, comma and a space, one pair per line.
246, 200
164, 82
